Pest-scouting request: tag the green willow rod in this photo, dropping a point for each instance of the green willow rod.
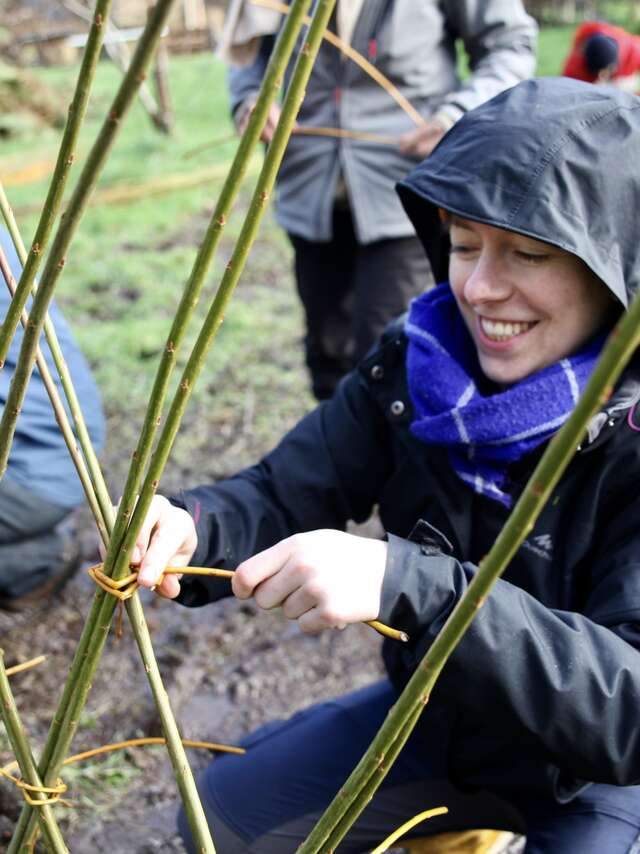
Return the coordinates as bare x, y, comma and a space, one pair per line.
366, 795
198, 824
75, 694
69, 222
65, 159
271, 85
619, 348
215, 315
78, 685
61, 415
102, 610
103, 606
90, 654
100, 494
22, 751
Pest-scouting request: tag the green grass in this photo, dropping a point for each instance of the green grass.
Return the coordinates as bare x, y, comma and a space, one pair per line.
129, 262
553, 46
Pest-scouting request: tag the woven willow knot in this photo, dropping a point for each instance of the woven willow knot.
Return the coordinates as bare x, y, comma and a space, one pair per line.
122, 589
55, 792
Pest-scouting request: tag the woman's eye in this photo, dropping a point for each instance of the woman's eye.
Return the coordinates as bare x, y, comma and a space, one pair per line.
461, 249
531, 257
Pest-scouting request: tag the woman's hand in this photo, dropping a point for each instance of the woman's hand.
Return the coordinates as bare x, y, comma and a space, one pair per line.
323, 579
167, 538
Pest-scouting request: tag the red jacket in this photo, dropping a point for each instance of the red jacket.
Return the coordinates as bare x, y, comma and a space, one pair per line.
629, 51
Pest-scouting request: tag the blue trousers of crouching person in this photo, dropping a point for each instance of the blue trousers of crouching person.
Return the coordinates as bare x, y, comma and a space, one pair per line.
268, 801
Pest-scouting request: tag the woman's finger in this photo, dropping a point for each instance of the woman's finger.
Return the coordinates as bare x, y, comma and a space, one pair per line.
258, 568
172, 543
279, 587
156, 509
312, 623
169, 587
297, 604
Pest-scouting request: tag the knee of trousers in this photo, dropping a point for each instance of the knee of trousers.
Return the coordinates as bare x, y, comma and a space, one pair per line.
226, 840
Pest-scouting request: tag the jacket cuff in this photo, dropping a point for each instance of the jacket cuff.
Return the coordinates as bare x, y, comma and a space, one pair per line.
193, 508
196, 590
241, 108
420, 587
448, 115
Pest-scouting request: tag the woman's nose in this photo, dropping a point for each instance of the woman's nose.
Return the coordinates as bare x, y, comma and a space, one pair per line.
487, 282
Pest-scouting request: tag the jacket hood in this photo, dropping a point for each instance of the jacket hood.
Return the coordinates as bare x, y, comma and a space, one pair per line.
552, 158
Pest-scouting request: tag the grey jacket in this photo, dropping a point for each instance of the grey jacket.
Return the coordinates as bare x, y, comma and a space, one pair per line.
413, 43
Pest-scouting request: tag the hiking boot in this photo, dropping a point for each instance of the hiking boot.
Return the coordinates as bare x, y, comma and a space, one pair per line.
51, 584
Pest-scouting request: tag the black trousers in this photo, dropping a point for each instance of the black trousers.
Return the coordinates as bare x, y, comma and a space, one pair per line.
350, 292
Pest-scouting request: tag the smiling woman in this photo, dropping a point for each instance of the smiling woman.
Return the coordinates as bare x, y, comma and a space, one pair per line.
532, 726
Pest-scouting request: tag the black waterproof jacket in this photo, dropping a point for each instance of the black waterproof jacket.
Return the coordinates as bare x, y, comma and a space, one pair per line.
548, 676
543, 694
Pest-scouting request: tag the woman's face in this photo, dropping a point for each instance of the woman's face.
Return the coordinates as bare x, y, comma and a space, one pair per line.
527, 304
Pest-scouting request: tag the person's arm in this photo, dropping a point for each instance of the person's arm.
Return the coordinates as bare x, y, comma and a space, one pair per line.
570, 681
500, 41
327, 470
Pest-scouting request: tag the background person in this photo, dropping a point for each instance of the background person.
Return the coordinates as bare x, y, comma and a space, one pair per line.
532, 726
603, 53
357, 261
38, 551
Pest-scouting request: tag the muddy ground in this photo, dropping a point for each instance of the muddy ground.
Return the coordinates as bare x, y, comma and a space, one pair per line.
227, 667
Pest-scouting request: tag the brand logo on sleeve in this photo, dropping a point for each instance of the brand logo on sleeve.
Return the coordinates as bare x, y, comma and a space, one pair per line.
542, 546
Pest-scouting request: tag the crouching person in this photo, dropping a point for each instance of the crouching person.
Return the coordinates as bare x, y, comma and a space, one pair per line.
528, 212
38, 548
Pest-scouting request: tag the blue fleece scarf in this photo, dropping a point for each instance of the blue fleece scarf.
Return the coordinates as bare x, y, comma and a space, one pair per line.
483, 433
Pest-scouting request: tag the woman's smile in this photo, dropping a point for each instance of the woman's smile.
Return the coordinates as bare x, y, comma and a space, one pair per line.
494, 332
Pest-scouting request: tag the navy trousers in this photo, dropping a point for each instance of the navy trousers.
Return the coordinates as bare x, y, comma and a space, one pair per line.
267, 801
